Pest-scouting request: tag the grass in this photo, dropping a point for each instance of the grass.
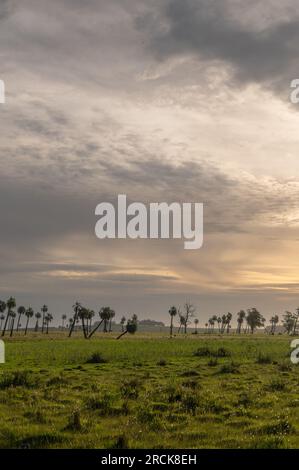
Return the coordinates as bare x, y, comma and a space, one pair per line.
199, 392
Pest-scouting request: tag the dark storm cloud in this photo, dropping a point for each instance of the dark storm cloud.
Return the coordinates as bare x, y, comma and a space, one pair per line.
208, 29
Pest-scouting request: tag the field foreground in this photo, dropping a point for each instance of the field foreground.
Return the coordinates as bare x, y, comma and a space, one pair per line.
149, 392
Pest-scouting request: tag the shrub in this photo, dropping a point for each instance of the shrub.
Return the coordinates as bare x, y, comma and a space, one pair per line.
207, 352
96, 358
162, 363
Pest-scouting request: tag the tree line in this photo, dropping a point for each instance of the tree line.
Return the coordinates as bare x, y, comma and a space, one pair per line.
247, 320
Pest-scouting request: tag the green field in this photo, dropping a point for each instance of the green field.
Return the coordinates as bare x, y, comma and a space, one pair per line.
148, 391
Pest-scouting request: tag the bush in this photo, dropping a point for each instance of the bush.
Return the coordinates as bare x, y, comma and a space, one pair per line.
162, 363
96, 358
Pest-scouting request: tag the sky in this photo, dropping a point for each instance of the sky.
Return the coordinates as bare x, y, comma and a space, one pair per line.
162, 100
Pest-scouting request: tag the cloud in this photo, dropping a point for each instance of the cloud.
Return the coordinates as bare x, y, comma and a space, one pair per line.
254, 50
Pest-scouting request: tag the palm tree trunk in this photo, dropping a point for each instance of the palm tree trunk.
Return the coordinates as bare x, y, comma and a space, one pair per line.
12, 325
5, 324
36, 326
43, 323
73, 323
18, 324
47, 328
26, 326
95, 329
122, 334
171, 326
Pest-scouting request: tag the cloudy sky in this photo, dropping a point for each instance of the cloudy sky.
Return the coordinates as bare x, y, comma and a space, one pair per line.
162, 100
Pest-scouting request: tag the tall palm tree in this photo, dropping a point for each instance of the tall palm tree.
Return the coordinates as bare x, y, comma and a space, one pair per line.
172, 312
2, 310
122, 322
12, 316
63, 319
131, 326
48, 319
83, 315
91, 314
44, 310
38, 315
21, 310
240, 320
219, 323
196, 321
10, 304
76, 307
105, 315
29, 314
112, 315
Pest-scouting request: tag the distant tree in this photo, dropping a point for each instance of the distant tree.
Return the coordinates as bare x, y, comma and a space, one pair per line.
12, 316
2, 317
223, 323
63, 317
172, 312
76, 307
228, 320
206, 326
219, 323
288, 322
182, 320
83, 315
131, 326
10, 304
122, 322
211, 325
240, 320
112, 315
189, 311
38, 316
254, 319
44, 310
48, 319
91, 314
105, 314
296, 318
196, 321
273, 322
29, 314
21, 311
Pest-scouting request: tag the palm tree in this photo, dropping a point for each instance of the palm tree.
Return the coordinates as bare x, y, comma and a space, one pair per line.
10, 304
172, 312
83, 315
122, 322
21, 311
76, 308
219, 323
105, 315
63, 319
48, 319
228, 320
29, 314
196, 321
44, 309
2, 310
38, 315
12, 316
131, 326
273, 320
89, 320
112, 315
240, 320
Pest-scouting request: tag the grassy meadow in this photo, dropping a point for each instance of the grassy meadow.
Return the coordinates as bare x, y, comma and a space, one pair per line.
147, 391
